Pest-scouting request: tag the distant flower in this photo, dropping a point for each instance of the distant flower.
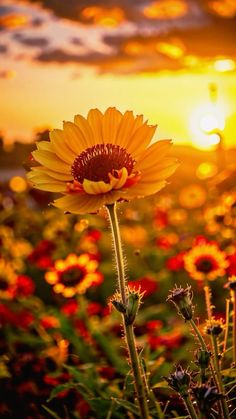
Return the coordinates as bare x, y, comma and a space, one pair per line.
205, 262
214, 326
146, 285
176, 263
192, 196
41, 255
24, 286
231, 269
74, 275
8, 279
100, 160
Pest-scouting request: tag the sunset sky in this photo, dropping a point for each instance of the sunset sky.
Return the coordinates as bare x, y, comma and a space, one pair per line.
154, 57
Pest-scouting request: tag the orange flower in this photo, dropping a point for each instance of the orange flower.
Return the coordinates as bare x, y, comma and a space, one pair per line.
100, 160
74, 275
205, 262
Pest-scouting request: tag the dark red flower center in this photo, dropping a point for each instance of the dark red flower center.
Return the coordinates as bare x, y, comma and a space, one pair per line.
206, 264
3, 284
95, 163
71, 276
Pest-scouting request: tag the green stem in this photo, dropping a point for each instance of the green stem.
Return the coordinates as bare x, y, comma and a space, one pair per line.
128, 329
199, 336
234, 327
224, 404
189, 407
204, 347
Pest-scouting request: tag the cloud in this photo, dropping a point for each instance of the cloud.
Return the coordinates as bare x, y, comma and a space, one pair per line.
3, 48
31, 41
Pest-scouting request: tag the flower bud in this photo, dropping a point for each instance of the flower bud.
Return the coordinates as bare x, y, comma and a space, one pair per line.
180, 381
134, 299
206, 396
214, 327
182, 299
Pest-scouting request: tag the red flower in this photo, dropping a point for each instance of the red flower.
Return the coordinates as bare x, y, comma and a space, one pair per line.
163, 243
41, 255
146, 285
161, 218
231, 270
176, 263
24, 286
93, 235
70, 308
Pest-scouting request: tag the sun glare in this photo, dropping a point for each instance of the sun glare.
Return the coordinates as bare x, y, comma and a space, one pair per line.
206, 124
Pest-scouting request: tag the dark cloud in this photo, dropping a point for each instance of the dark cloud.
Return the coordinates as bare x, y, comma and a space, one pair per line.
31, 41
58, 56
76, 41
3, 49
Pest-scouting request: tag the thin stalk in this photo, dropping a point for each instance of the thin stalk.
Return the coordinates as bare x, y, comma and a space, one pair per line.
199, 336
190, 407
207, 291
234, 327
128, 329
227, 311
204, 347
219, 379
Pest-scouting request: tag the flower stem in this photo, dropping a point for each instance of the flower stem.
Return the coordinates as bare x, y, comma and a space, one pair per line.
207, 291
227, 314
128, 328
234, 327
189, 407
199, 336
224, 405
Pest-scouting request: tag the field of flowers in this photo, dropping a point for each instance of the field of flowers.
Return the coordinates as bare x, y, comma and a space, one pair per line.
62, 349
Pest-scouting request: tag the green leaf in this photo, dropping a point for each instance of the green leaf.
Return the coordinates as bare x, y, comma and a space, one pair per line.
161, 384
230, 372
53, 414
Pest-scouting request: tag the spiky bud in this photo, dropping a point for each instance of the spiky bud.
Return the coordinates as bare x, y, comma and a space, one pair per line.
180, 381
133, 303
214, 327
182, 299
206, 396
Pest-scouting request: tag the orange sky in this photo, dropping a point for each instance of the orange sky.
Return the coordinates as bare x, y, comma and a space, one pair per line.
45, 96
155, 61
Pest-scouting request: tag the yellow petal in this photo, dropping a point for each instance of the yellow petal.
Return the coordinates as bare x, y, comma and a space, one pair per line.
161, 171
37, 178
60, 146
50, 187
94, 188
74, 137
141, 190
117, 183
51, 173
80, 204
153, 155
140, 140
110, 124
44, 145
86, 130
86, 204
125, 129
51, 161
95, 121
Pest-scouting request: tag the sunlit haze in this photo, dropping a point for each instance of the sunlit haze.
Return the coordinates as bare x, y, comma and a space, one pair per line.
54, 66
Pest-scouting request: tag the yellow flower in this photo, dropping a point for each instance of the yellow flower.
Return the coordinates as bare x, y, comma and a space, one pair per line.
205, 262
8, 279
74, 275
100, 160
